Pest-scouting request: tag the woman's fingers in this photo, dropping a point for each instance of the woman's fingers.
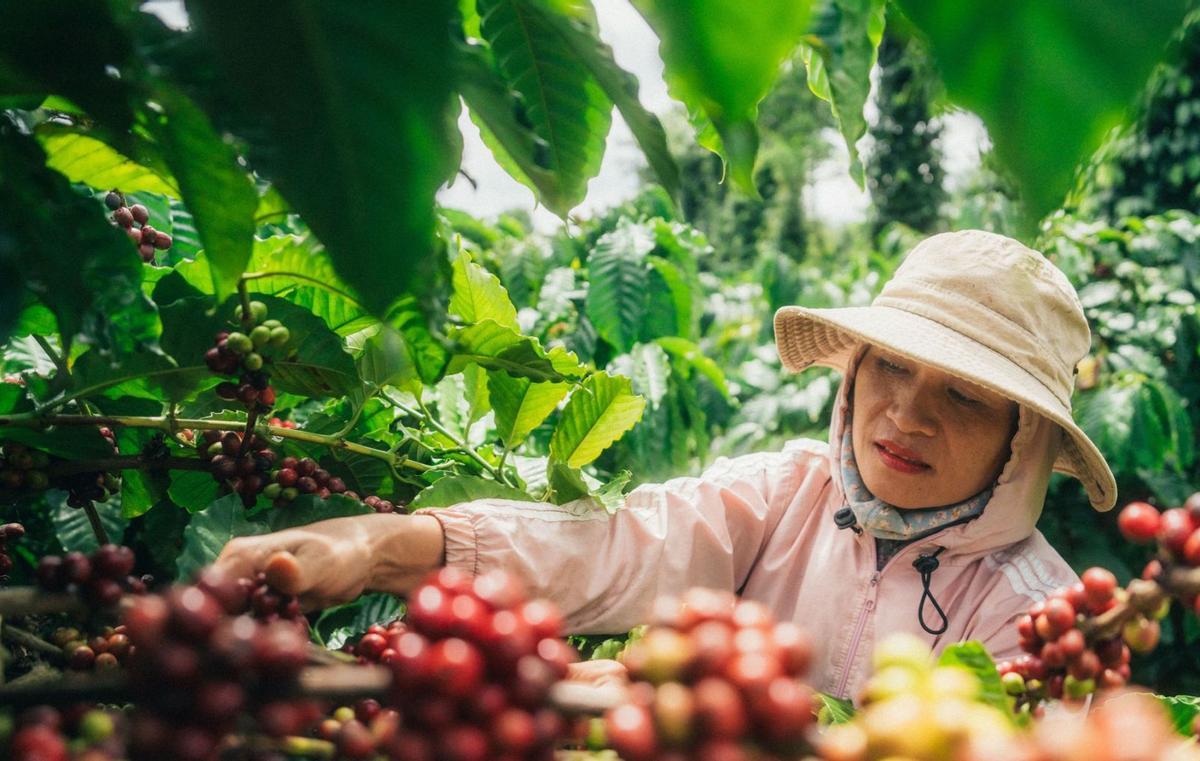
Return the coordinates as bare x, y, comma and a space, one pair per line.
285, 573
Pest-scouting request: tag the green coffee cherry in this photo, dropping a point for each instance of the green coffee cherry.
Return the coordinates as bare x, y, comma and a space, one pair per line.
260, 335
280, 336
239, 343
215, 449
258, 312
1014, 683
252, 361
95, 727
272, 491
272, 324
290, 493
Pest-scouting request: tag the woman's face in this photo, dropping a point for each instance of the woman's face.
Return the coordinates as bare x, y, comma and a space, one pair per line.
924, 438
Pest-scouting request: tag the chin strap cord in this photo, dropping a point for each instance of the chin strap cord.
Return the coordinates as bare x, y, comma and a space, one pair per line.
926, 565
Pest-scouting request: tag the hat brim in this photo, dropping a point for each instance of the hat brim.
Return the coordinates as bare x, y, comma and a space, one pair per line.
827, 337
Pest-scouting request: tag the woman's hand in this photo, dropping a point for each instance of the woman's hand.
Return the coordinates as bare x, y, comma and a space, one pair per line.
334, 561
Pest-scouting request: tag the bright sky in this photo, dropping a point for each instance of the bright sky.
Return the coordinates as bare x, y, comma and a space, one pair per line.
833, 198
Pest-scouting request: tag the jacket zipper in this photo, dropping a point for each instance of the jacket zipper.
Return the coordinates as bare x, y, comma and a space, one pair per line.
869, 605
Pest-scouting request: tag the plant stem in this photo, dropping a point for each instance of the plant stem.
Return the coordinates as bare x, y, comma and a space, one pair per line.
172, 424
248, 431
466, 449
29, 640
244, 295
63, 371
94, 518
26, 601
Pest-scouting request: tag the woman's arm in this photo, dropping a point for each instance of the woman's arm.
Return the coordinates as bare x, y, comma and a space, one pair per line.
334, 561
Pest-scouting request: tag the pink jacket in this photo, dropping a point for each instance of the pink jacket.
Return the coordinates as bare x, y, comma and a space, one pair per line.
762, 525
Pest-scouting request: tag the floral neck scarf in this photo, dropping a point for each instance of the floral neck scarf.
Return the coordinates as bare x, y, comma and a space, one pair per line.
884, 521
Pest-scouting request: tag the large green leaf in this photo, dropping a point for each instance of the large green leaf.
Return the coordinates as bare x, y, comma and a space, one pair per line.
721, 58
839, 54
193, 490
618, 278
1048, 79
973, 657
81, 158
1182, 710
309, 508
297, 269
496, 347
57, 244
217, 191
344, 623
478, 294
453, 490
74, 529
210, 530
346, 111
566, 108
386, 361
599, 411
144, 376
690, 353
622, 87
521, 405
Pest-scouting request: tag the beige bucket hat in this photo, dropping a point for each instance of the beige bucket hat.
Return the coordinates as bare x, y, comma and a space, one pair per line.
979, 306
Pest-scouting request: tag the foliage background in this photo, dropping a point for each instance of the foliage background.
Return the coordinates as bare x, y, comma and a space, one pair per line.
451, 343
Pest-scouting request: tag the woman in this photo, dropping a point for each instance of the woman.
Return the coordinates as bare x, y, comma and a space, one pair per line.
918, 516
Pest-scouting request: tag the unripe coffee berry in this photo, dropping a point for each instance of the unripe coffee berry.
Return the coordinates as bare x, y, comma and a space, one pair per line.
253, 361
260, 336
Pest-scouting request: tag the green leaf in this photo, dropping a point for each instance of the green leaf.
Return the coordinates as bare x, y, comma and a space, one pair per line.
599, 411
565, 106
193, 490
296, 268
622, 88
721, 58
81, 158
974, 658
618, 281
210, 530
365, 185
648, 367
453, 490
386, 361
566, 483
690, 353
1048, 79
478, 294
842, 49
521, 405
74, 530
309, 508
1182, 710
344, 623
427, 352
496, 347
834, 710
612, 494
679, 295
144, 376
217, 191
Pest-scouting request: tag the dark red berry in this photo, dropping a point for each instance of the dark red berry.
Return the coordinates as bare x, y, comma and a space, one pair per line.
140, 213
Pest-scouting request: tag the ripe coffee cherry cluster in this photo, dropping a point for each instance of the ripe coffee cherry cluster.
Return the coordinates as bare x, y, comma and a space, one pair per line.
1177, 533
246, 354
1062, 661
101, 652
8, 531
83, 733
246, 474
376, 641
22, 467
912, 708
359, 732
205, 665
298, 476
101, 578
714, 678
145, 237
473, 670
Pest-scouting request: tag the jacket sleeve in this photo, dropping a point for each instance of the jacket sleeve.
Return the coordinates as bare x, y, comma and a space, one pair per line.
603, 570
